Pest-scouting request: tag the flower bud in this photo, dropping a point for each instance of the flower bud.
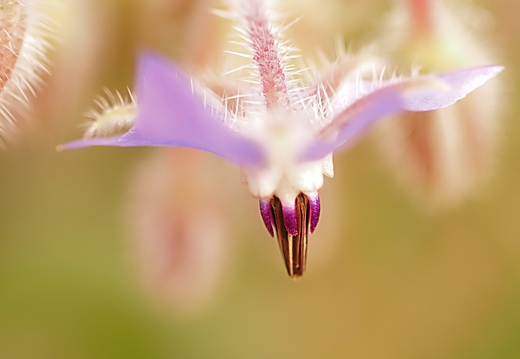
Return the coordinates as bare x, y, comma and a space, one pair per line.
178, 219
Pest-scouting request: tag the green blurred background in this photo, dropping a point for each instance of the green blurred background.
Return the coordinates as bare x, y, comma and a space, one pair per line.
390, 280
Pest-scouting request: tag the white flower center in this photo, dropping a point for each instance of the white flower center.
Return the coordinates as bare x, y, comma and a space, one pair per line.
284, 138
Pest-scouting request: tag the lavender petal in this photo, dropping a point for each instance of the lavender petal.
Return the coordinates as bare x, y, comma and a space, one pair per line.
423, 93
170, 114
460, 82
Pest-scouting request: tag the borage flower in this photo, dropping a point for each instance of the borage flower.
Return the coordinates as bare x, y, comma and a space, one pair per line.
279, 130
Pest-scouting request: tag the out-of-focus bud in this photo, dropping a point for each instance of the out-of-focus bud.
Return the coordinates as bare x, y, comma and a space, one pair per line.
180, 220
444, 154
186, 29
23, 49
90, 53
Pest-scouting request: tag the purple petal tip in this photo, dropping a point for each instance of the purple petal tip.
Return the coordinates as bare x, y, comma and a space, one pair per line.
314, 210
424, 93
267, 215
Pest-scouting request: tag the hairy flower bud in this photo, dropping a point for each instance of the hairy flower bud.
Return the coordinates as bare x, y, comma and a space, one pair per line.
179, 222
22, 56
443, 154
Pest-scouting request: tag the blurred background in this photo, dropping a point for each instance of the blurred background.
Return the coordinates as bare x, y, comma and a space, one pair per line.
160, 253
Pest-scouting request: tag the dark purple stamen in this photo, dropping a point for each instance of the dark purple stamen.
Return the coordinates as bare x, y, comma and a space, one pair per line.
292, 228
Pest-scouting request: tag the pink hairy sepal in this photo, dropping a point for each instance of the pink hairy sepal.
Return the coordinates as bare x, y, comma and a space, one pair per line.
13, 22
266, 55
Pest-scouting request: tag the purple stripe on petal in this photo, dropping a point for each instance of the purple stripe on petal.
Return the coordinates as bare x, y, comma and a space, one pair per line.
423, 93
130, 139
170, 114
315, 209
267, 214
350, 124
108, 141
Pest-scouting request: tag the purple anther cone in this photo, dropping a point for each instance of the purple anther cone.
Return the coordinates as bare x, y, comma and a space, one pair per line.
315, 209
267, 214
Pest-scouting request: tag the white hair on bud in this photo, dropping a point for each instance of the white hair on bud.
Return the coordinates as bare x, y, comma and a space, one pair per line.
24, 44
114, 114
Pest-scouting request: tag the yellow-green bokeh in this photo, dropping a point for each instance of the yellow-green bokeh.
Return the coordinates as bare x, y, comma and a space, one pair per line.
399, 283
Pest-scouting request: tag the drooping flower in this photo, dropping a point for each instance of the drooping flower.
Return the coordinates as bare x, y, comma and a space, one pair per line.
23, 47
279, 129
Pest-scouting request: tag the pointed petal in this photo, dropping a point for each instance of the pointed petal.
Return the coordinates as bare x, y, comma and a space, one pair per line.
106, 141
423, 93
170, 114
460, 83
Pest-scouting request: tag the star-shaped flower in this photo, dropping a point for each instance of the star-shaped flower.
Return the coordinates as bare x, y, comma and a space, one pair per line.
280, 130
